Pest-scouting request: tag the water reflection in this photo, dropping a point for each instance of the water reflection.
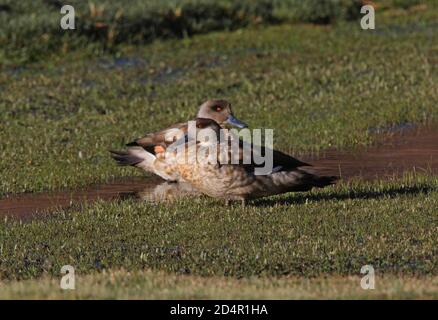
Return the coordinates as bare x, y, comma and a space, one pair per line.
145, 189
167, 191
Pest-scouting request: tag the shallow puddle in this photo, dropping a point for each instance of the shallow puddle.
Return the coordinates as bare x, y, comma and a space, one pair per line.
413, 150
152, 189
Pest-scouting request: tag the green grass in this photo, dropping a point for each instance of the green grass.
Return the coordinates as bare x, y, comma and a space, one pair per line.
317, 86
335, 231
30, 30
147, 284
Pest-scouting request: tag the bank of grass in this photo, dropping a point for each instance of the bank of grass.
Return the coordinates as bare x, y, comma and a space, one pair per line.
317, 86
148, 284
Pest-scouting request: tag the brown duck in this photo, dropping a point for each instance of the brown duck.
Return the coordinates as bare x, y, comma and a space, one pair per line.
239, 181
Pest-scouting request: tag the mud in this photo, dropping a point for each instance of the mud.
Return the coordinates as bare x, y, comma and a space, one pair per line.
415, 150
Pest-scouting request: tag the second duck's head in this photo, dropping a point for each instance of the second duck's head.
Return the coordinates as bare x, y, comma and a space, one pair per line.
219, 111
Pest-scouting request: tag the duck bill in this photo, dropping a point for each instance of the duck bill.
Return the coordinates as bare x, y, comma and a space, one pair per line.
236, 122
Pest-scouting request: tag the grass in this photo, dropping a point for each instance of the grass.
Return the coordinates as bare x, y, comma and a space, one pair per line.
30, 30
334, 231
319, 86
324, 86
147, 284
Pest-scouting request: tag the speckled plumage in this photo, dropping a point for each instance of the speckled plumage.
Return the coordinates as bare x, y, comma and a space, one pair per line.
239, 182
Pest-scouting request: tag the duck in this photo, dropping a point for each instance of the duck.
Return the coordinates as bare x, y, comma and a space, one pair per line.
238, 182
142, 152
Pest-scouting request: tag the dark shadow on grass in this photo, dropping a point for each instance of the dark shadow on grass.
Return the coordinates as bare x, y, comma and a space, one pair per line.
300, 198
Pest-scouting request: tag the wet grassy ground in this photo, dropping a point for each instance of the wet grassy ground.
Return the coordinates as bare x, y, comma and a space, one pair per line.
317, 86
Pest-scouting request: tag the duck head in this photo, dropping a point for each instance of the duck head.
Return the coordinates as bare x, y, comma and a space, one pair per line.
219, 111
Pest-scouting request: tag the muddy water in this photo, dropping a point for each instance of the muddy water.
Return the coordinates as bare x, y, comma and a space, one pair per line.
150, 189
414, 150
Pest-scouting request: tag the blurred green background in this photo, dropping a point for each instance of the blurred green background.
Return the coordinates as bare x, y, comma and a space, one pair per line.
29, 29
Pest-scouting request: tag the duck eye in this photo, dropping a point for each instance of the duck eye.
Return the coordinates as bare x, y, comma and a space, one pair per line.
218, 109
